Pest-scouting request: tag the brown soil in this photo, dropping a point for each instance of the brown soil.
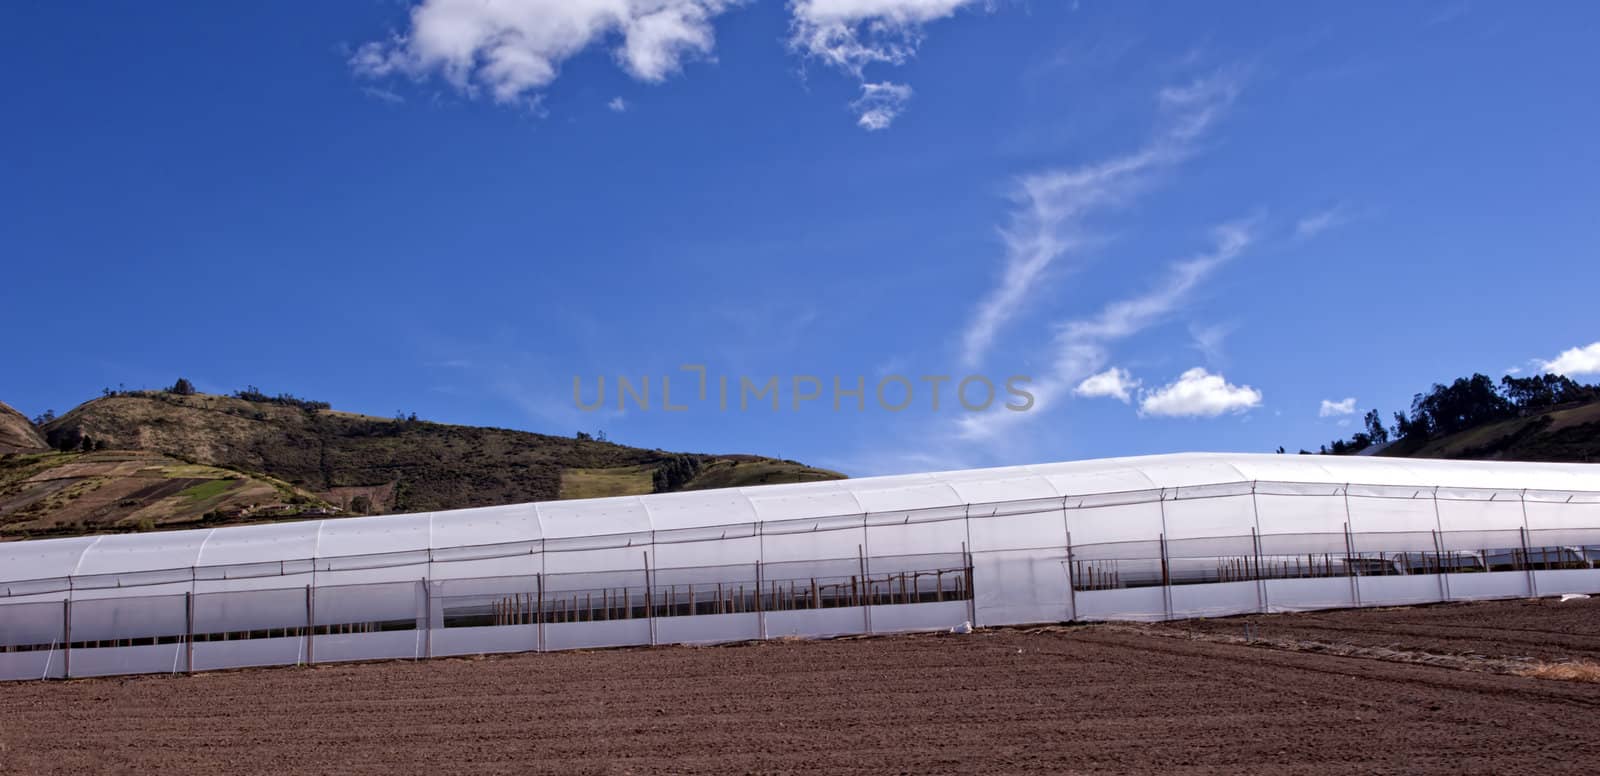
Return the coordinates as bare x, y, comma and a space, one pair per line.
1070, 699
1542, 629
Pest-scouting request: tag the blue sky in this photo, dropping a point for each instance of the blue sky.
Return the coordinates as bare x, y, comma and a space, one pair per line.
1191, 225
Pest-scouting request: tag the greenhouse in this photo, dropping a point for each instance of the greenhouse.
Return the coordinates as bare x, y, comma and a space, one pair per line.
1149, 538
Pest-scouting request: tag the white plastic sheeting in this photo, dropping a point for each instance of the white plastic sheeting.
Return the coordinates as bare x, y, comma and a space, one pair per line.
1144, 538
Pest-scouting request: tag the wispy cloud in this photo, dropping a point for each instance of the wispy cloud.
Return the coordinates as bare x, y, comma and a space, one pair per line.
1114, 383
849, 35
1047, 222
880, 104
382, 95
1447, 14
1575, 361
1329, 408
1209, 341
1319, 222
514, 48
617, 105
1080, 347
1198, 394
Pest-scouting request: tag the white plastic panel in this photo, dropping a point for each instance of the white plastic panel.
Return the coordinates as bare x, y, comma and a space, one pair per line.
945, 536
1223, 515
1310, 594
594, 517
1215, 600
1021, 586
1143, 604
791, 502
1556, 512
708, 629
983, 488
816, 623
1393, 514
388, 645
1495, 584
1046, 528
112, 661
484, 639
1558, 581
142, 552
736, 544
694, 509
41, 559
368, 603
39, 664
1077, 479
905, 494
1118, 523
249, 610
251, 544
128, 618
908, 618
1463, 510
372, 536
592, 635
1319, 511
1400, 590
31, 624
822, 539
246, 653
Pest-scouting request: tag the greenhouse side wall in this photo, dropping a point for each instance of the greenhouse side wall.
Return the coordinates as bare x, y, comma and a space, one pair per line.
1203, 551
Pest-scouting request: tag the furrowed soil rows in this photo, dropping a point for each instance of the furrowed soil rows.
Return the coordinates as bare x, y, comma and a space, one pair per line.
1539, 629
1070, 699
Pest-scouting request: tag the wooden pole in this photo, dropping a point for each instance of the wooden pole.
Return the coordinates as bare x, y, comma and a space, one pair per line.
650, 597
188, 631
311, 626
427, 619
66, 638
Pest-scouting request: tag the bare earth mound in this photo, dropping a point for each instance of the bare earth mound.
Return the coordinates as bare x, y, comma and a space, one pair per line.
17, 434
1071, 699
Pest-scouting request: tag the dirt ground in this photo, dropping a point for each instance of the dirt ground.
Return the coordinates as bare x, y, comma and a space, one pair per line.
1541, 628
1066, 699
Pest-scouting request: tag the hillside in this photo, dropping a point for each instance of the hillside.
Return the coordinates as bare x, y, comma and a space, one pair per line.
17, 434
288, 459
64, 494
1570, 433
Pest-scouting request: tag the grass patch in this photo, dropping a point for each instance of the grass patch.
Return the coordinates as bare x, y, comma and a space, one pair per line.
734, 473
614, 481
1581, 671
207, 489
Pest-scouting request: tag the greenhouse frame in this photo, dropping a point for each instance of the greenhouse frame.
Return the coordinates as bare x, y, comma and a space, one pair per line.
1147, 538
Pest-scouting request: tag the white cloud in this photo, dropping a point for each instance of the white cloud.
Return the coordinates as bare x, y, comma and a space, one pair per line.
879, 104
513, 48
1198, 393
1079, 348
1317, 223
1115, 383
1346, 406
1051, 206
1575, 361
851, 34
617, 105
